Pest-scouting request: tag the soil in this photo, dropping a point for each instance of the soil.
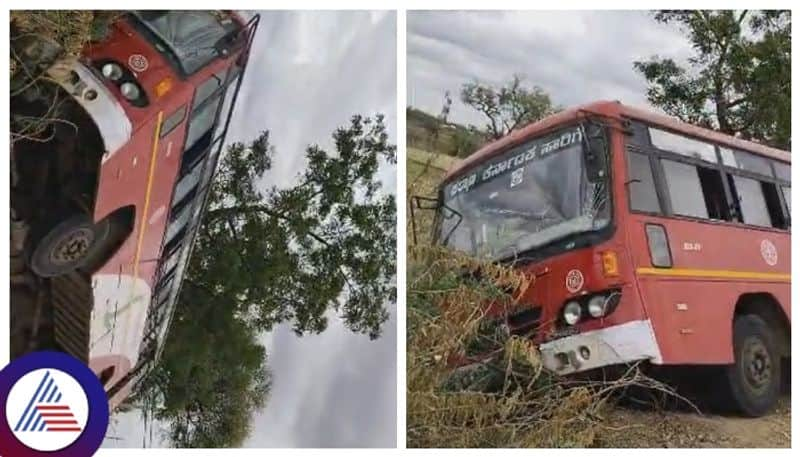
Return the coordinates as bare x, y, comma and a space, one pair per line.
628, 428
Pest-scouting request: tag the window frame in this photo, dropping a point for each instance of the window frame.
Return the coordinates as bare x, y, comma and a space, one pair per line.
629, 152
170, 124
642, 144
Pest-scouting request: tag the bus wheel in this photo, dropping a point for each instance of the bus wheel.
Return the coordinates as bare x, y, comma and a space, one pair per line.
68, 246
754, 379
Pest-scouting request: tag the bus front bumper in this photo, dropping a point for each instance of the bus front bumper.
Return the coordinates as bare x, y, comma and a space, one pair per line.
619, 344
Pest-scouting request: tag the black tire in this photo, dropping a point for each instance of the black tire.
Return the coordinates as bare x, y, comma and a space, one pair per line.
69, 245
754, 379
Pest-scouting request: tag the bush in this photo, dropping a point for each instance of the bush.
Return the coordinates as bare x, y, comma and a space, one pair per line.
506, 400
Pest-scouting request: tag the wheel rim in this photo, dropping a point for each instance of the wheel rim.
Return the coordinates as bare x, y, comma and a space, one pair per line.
72, 247
756, 364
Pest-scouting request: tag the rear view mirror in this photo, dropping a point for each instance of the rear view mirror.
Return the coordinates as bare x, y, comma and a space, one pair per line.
420, 203
595, 151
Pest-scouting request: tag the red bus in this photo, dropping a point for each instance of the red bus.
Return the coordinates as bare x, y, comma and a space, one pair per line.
114, 198
648, 239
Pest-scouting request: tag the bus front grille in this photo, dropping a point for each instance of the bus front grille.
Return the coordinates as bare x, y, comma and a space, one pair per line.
525, 322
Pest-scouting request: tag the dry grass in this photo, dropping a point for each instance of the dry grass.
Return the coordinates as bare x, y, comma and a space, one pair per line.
505, 399
67, 33
70, 29
508, 399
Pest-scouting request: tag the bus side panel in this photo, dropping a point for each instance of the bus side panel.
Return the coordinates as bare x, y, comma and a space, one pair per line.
691, 319
692, 304
122, 291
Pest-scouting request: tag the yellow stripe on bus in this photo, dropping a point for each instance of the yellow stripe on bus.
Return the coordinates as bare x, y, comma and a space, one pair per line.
724, 274
147, 191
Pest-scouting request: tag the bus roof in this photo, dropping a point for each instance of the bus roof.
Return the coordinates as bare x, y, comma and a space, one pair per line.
613, 109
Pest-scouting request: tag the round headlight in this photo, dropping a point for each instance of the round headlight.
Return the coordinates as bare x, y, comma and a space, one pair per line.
597, 306
130, 91
112, 71
572, 313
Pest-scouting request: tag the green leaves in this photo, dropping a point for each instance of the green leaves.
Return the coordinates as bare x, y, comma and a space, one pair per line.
324, 244
265, 256
737, 81
508, 107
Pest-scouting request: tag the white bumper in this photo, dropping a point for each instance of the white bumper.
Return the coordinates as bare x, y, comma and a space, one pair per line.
625, 343
101, 104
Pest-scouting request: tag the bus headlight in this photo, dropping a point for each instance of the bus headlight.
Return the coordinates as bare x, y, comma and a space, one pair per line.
572, 313
130, 91
597, 306
112, 71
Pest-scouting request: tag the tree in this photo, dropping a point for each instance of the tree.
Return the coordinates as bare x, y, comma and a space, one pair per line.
211, 378
508, 107
267, 255
325, 244
737, 81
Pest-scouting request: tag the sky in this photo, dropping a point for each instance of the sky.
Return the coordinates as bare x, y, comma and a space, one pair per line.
575, 56
309, 72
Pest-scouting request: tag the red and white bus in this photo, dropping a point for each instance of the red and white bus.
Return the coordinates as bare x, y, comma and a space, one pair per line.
647, 239
115, 197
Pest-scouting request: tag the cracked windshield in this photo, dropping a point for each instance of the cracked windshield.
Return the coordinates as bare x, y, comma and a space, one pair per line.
532, 195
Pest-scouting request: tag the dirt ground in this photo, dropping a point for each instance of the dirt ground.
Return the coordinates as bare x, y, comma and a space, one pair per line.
629, 428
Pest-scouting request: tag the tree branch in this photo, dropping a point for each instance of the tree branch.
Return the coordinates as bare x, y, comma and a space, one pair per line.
234, 210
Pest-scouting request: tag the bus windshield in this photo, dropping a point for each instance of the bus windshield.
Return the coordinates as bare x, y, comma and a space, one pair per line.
532, 195
190, 36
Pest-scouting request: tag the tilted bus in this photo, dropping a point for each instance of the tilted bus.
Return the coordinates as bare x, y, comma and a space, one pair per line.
647, 239
115, 197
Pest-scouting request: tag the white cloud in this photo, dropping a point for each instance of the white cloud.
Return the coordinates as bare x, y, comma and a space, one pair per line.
575, 56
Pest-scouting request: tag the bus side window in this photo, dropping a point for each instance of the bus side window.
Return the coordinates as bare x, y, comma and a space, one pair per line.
199, 133
187, 185
641, 185
173, 120
774, 206
164, 291
178, 224
752, 162
207, 88
782, 170
696, 191
684, 189
777, 216
787, 195
752, 201
714, 194
199, 136
682, 145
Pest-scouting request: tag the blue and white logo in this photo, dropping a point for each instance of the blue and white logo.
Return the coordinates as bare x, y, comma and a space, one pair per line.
47, 409
54, 406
